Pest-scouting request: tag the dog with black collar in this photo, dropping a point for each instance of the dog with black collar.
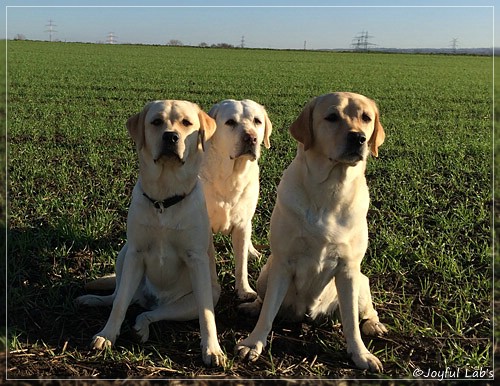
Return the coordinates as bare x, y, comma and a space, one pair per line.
164, 265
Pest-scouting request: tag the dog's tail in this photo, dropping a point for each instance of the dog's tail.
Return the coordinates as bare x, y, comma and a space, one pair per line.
105, 283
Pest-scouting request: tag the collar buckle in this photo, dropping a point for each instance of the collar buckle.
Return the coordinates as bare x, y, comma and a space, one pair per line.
168, 202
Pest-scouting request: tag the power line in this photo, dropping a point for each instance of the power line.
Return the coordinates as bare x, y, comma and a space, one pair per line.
361, 43
51, 30
454, 45
111, 38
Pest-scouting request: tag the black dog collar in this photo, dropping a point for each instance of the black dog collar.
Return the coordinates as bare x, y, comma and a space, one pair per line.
164, 204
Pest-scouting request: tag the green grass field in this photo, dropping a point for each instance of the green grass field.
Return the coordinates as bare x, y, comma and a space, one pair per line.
72, 167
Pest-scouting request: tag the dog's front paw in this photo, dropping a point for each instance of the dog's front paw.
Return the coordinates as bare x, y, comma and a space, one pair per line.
213, 357
101, 343
246, 295
253, 253
367, 361
141, 328
247, 351
251, 309
373, 328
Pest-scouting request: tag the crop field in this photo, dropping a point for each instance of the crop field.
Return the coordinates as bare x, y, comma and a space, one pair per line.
72, 167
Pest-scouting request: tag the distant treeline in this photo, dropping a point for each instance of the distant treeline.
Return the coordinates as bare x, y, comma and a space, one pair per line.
449, 51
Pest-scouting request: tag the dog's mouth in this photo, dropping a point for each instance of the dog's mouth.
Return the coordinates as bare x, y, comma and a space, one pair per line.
250, 154
169, 154
246, 150
352, 157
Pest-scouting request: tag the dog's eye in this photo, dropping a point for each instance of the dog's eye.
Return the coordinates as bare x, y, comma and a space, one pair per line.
366, 118
231, 122
186, 123
157, 122
333, 117
257, 121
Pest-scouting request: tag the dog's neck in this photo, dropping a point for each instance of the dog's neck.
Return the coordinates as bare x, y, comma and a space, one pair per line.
242, 164
167, 179
320, 174
226, 167
330, 187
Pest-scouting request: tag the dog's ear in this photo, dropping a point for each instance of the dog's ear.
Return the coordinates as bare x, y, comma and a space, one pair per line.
378, 135
207, 128
214, 110
268, 130
302, 128
135, 126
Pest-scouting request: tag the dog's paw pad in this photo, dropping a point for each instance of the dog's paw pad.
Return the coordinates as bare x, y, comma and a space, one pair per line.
101, 343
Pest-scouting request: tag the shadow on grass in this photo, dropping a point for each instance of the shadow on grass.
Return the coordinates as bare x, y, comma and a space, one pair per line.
50, 336
46, 269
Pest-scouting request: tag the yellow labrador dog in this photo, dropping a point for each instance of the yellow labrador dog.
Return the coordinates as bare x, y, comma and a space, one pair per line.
164, 266
319, 231
230, 175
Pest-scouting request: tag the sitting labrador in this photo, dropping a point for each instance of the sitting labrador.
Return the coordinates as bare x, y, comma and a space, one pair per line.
319, 231
165, 266
230, 175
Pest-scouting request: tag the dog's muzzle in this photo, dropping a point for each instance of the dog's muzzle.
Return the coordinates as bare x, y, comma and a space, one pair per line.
249, 146
355, 147
170, 145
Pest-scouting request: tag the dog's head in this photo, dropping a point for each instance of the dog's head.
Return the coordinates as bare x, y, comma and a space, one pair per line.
344, 127
170, 130
241, 127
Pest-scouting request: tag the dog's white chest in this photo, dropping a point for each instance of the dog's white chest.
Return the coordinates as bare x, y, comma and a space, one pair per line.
229, 209
161, 239
165, 269
162, 251
321, 260
328, 227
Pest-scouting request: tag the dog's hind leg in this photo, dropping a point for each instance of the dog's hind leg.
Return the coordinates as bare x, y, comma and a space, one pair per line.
181, 310
105, 283
108, 282
95, 300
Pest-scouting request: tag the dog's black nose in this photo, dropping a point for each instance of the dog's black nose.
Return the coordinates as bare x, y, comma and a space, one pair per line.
356, 138
250, 139
171, 137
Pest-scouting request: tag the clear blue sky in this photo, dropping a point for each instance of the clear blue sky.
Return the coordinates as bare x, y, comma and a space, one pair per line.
393, 24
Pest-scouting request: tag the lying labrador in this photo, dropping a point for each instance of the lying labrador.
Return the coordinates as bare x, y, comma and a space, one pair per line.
164, 266
230, 175
319, 231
